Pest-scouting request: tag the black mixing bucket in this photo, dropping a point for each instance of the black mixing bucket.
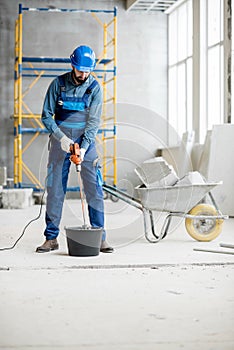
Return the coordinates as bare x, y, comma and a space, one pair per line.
83, 241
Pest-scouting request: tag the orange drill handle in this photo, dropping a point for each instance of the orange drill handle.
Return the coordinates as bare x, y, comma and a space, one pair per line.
75, 154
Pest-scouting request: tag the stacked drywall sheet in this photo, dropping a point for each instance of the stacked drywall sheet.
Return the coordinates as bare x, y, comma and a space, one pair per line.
180, 157
217, 164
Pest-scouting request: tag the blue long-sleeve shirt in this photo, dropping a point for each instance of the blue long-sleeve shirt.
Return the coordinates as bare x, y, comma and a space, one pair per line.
95, 108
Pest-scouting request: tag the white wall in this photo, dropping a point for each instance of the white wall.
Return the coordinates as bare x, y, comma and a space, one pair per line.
141, 71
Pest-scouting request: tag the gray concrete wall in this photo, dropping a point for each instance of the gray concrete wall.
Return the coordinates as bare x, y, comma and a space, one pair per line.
141, 74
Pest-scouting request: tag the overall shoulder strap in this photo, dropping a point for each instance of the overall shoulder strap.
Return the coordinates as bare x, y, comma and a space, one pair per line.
61, 79
89, 91
91, 87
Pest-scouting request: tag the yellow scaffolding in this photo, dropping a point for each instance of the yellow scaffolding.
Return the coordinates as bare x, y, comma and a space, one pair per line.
105, 73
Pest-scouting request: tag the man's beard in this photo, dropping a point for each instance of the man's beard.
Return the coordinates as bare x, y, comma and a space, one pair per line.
78, 80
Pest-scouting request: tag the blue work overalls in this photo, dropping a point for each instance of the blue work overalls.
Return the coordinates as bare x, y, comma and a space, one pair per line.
71, 116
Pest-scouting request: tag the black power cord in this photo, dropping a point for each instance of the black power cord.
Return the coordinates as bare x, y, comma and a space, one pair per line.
26, 226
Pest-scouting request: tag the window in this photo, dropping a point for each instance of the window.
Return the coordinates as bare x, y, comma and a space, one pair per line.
186, 109
180, 73
211, 81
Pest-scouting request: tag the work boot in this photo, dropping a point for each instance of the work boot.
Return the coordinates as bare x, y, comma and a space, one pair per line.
47, 246
105, 248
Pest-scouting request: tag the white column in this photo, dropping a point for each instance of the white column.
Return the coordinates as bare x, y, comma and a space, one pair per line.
196, 69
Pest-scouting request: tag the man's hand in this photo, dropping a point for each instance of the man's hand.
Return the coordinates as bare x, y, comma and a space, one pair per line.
65, 143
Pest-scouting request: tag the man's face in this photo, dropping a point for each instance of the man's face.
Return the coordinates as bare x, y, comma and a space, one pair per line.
80, 77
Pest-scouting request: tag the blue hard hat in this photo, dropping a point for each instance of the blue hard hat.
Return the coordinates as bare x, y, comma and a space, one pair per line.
83, 59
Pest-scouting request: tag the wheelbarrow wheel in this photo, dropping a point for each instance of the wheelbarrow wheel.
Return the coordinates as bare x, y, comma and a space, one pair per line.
204, 230
114, 198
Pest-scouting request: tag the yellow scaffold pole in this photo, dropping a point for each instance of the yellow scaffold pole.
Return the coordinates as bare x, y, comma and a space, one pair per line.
104, 107
115, 96
16, 105
19, 131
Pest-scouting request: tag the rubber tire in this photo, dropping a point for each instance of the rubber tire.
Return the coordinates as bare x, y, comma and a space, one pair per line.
105, 195
114, 199
193, 231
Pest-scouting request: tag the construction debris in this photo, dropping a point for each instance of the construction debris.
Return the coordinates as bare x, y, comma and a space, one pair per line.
18, 198
192, 178
213, 251
225, 245
156, 172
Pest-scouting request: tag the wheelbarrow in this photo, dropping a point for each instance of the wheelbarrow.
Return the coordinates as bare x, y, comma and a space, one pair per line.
203, 221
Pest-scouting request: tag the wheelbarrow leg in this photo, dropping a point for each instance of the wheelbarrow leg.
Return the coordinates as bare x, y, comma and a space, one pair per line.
165, 226
214, 202
164, 229
152, 223
145, 216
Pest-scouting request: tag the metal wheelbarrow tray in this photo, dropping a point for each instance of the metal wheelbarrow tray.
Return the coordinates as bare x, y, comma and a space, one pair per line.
203, 221
173, 198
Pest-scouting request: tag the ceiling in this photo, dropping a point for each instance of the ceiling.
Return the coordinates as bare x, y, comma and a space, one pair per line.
149, 6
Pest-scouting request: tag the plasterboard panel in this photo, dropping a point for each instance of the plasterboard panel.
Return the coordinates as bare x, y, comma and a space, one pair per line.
219, 165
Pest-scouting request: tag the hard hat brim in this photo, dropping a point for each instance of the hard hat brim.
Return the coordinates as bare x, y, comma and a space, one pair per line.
83, 68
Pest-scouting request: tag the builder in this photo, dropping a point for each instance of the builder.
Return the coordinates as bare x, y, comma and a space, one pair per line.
71, 113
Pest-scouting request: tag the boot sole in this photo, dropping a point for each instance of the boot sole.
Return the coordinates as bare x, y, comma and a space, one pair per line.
38, 250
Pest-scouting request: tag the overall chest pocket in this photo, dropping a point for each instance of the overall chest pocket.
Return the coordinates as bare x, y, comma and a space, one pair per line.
73, 105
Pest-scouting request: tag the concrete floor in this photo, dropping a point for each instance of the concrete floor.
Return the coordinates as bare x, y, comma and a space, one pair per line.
143, 296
